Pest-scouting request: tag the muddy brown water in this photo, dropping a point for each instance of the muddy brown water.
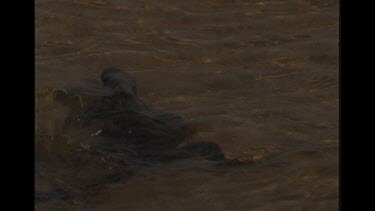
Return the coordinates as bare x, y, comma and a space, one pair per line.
259, 78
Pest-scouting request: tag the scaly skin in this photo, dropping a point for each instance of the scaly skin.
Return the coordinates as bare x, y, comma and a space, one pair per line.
108, 125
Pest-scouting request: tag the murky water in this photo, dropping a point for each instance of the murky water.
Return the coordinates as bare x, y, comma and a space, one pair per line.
259, 78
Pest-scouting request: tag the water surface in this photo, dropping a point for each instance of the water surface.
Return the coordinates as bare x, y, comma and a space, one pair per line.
259, 78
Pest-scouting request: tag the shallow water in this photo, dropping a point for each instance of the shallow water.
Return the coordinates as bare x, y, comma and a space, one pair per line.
259, 78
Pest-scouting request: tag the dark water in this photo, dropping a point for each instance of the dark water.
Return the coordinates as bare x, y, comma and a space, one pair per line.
259, 78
